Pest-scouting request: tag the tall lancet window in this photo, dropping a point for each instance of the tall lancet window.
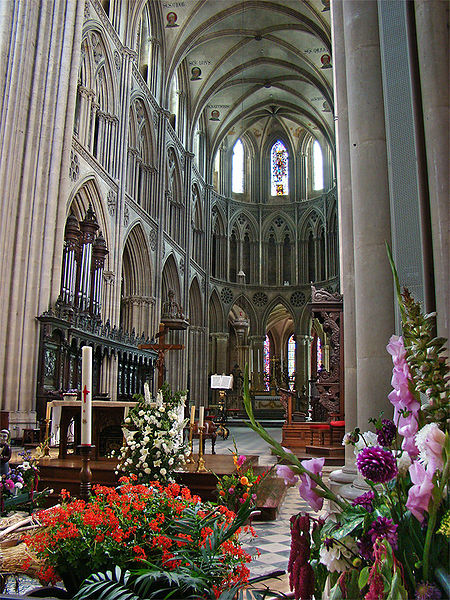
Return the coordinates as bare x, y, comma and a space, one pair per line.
291, 361
279, 169
237, 173
317, 166
266, 359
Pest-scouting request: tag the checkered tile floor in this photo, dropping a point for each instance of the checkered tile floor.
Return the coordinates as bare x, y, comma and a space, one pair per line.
273, 539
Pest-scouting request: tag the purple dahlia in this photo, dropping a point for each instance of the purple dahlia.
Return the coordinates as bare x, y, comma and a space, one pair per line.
387, 432
377, 464
384, 528
365, 500
427, 591
365, 547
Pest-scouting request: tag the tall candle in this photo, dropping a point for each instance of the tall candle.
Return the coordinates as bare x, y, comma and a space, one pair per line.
201, 415
192, 414
86, 395
49, 410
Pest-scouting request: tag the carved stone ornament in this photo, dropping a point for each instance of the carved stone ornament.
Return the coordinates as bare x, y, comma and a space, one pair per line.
117, 60
126, 216
152, 239
111, 200
74, 169
324, 295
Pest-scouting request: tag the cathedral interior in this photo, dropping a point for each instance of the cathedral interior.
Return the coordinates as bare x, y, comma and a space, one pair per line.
211, 164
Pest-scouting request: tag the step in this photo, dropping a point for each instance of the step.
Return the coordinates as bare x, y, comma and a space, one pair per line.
326, 450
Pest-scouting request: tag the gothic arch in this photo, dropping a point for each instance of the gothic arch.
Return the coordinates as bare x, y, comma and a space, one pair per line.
243, 302
174, 197
87, 192
137, 274
278, 230
170, 279
216, 316
278, 300
195, 304
136, 292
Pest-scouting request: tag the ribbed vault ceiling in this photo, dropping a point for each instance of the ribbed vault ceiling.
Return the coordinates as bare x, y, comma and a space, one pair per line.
264, 66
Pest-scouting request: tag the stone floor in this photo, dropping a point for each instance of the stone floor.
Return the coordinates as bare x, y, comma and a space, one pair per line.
273, 538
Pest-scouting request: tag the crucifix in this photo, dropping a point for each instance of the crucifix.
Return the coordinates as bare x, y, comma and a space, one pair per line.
161, 348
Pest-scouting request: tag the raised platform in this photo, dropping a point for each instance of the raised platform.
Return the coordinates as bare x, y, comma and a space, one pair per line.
59, 474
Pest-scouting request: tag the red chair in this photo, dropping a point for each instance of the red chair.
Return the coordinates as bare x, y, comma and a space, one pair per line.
337, 428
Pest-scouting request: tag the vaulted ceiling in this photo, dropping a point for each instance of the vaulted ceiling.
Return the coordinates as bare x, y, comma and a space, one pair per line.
253, 66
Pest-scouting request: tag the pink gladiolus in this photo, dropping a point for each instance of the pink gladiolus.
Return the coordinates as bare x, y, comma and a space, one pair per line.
396, 349
307, 485
420, 493
287, 474
407, 427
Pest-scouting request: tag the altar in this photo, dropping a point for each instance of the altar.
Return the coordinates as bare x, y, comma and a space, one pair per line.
107, 419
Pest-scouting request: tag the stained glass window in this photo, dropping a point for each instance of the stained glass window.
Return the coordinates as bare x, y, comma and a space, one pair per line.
291, 361
266, 352
237, 168
319, 354
279, 173
317, 166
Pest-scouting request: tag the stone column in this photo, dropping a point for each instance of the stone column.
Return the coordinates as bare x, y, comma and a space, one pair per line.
40, 56
346, 258
432, 20
374, 298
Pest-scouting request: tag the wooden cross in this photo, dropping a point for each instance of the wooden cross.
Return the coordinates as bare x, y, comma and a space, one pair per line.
162, 348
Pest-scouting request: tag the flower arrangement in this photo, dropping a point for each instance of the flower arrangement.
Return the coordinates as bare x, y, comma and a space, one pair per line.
235, 489
389, 542
164, 529
154, 445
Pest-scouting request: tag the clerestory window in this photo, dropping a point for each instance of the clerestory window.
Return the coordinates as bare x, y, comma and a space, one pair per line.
237, 173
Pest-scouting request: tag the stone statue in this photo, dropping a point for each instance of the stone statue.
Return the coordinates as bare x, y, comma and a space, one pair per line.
5, 451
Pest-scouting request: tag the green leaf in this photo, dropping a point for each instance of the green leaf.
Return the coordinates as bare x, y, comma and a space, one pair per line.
397, 591
336, 592
348, 527
363, 578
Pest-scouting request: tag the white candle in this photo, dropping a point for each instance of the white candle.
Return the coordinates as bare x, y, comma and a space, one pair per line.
86, 395
192, 415
201, 415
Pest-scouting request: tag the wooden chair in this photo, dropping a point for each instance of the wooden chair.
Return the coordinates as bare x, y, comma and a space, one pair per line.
209, 433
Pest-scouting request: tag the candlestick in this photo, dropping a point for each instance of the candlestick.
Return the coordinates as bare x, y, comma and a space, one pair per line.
192, 420
46, 446
201, 461
85, 472
190, 457
86, 395
201, 416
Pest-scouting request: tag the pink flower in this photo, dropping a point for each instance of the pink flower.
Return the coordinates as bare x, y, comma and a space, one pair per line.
419, 494
241, 460
287, 474
396, 349
407, 427
307, 485
430, 441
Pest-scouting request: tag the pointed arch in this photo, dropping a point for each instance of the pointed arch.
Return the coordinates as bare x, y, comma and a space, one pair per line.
175, 209
195, 304
216, 316
88, 193
170, 279
218, 244
136, 292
